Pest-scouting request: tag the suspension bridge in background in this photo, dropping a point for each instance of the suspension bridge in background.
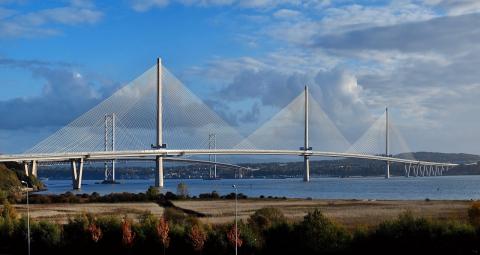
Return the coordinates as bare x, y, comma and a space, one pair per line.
157, 107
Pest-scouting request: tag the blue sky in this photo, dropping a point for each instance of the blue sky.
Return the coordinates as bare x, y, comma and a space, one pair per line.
417, 56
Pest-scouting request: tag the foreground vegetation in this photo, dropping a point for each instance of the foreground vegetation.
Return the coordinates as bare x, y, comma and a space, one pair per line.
11, 176
267, 231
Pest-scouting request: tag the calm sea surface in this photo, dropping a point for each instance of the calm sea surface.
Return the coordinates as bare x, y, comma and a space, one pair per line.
443, 187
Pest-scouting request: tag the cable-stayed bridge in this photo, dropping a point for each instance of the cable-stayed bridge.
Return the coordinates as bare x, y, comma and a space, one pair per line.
155, 117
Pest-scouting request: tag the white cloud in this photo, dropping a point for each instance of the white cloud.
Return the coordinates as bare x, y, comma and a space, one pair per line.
412, 59
61, 87
456, 7
341, 19
41, 22
286, 14
145, 5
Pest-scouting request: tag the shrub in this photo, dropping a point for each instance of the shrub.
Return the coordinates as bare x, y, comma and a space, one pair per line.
266, 217
182, 190
46, 236
153, 193
474, 214
127, 233
170, 196
408, 234
280, 239
216, 243
95, 232
174, 216
212, 195
317, 234
234, 237
197, 237
112, 230
75, 235
8, 211
162, 231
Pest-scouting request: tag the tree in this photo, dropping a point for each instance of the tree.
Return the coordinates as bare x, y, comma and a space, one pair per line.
153, 193
197, 237
182, 190
9, 212
266, 217
232, 238
162, 230
317, 234
95, 232
127, 233
46, 236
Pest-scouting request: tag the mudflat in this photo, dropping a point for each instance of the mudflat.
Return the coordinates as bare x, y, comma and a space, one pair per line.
347, 212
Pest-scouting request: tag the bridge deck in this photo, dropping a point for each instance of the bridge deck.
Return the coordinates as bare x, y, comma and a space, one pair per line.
112, 155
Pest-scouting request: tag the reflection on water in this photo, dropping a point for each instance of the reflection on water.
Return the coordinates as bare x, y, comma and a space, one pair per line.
444, 187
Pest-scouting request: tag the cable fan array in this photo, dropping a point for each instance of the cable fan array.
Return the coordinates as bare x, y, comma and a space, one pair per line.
188, 123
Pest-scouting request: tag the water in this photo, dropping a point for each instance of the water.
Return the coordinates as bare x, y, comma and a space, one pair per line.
443, 187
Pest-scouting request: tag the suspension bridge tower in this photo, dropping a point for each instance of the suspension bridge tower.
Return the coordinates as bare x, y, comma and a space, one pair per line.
387, 171
159, 142
305, 148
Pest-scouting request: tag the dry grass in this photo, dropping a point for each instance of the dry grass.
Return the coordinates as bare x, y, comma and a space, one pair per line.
62, 212
348, 212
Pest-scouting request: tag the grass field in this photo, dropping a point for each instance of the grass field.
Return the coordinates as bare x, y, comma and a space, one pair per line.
347, 212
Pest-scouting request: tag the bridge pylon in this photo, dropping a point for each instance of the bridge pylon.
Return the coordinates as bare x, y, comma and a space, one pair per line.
109, 145
387, 170
305, 148
159, 145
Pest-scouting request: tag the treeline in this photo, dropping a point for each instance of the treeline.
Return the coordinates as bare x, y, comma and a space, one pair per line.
152, 195
267, 231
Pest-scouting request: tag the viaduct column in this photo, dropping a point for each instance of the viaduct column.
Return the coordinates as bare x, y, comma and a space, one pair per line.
77, 173
306, 160
30, 168
159, 159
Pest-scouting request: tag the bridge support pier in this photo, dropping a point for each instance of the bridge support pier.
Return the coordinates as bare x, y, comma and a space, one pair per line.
30, 168
306, 174
407, 170
77, 173
387, 172
159, 172
25, 167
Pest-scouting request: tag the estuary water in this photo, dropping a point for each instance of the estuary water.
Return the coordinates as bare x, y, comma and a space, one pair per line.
440, 187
